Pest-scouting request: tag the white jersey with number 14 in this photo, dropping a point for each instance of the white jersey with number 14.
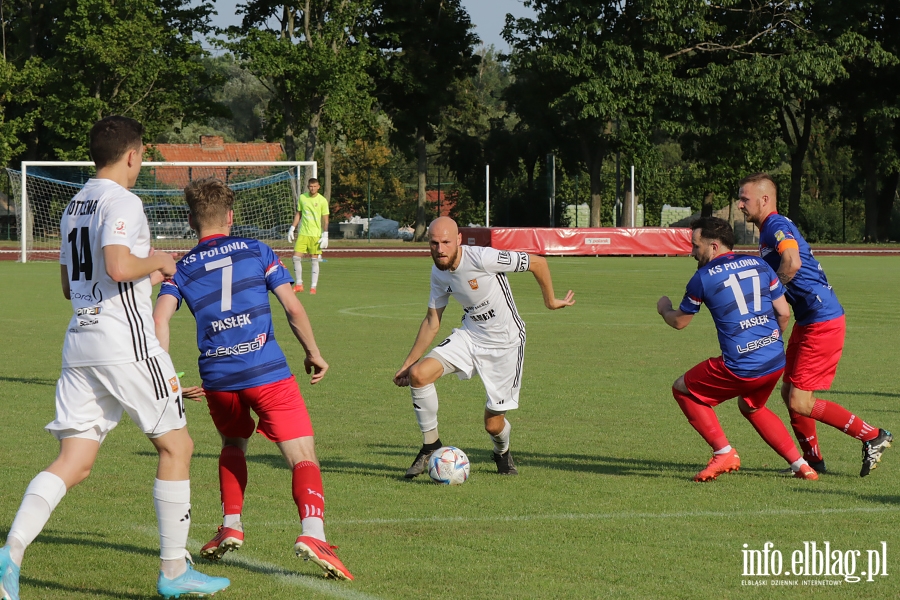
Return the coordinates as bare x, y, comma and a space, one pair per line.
479, 284
112, 322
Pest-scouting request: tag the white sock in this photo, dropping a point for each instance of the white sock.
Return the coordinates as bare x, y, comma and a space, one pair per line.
501, 440
298, 270
795, 466
425, 404
231, 521
39, 501
315, 272
724, 450
172, 500
314, 527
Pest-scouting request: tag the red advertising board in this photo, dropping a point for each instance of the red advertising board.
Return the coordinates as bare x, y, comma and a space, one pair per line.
610, 241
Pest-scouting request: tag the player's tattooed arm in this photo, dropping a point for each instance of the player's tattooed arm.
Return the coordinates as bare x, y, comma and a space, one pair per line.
674, 317
541, 271
790, 264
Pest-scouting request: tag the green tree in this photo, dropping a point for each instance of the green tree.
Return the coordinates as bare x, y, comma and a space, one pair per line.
313, 59
81, 60
602, 76
427, 47
868, 99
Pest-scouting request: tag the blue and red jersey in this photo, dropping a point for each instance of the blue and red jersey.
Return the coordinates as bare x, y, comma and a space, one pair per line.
738, 290
808, 292
225, 282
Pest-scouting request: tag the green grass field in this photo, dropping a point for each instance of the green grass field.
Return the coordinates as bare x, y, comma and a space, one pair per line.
604, 506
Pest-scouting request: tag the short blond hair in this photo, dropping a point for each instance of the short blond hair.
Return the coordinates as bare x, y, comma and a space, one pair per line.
209, 200
758, 178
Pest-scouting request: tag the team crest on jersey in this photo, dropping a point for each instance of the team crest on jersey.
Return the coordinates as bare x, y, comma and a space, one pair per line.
449, 291
173, 383
121, 228
473, 283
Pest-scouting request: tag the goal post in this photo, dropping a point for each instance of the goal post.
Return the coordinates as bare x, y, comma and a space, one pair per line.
266, 195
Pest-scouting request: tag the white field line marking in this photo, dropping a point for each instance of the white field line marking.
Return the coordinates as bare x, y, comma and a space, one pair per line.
621, 516
335, 589
353, 311
324, 586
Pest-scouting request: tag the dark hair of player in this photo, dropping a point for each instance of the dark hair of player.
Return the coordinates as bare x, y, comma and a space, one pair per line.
759, 178
312, 180
714, 228
209, 200
112, 137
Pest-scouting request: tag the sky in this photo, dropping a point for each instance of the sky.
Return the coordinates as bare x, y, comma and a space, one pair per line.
488, 16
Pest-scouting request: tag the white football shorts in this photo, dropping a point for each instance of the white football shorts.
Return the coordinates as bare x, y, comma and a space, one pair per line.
500, 369
90, 400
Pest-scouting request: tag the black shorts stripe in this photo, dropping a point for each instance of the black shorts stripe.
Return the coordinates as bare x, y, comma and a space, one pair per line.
159, 381
521, 358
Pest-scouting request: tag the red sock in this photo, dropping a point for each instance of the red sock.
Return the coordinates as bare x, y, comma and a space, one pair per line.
805, 432
702, 418
840, 418
772, 430
232, 479
307, 487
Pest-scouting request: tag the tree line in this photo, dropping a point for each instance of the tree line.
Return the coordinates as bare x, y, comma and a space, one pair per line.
696, 94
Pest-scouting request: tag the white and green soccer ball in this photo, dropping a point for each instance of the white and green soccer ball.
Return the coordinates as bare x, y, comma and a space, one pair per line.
448, 465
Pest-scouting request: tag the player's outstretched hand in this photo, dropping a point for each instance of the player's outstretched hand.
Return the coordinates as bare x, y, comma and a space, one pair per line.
317, 366
401, 377
663, 305
557, 303
194, 392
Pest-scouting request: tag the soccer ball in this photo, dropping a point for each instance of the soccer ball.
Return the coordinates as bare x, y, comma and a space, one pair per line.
448, 465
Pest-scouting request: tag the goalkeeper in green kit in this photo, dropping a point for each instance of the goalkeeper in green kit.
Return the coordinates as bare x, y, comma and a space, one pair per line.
312, 216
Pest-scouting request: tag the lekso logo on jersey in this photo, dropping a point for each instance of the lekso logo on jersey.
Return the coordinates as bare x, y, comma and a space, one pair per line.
241, 348
759, 343
812, 560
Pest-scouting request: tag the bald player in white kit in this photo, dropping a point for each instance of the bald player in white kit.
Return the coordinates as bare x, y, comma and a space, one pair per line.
490, 341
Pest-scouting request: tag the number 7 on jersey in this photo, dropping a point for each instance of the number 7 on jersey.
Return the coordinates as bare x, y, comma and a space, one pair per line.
227, 269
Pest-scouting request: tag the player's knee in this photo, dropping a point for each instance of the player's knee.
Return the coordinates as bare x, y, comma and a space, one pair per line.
492, 428
84, 473
419, 376
178, 448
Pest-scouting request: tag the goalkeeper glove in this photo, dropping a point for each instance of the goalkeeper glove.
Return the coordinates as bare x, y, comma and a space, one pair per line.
323, 241
291, 234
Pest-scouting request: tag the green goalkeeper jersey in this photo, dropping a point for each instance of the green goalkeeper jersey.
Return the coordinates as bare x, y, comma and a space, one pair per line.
311, 209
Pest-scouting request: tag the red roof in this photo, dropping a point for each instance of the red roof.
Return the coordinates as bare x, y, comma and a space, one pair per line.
212, 148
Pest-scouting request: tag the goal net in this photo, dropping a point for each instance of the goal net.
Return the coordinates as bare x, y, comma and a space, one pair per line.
265, 199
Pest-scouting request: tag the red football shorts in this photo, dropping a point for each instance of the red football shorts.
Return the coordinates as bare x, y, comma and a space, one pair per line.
712, 383
279, 406
813, 353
